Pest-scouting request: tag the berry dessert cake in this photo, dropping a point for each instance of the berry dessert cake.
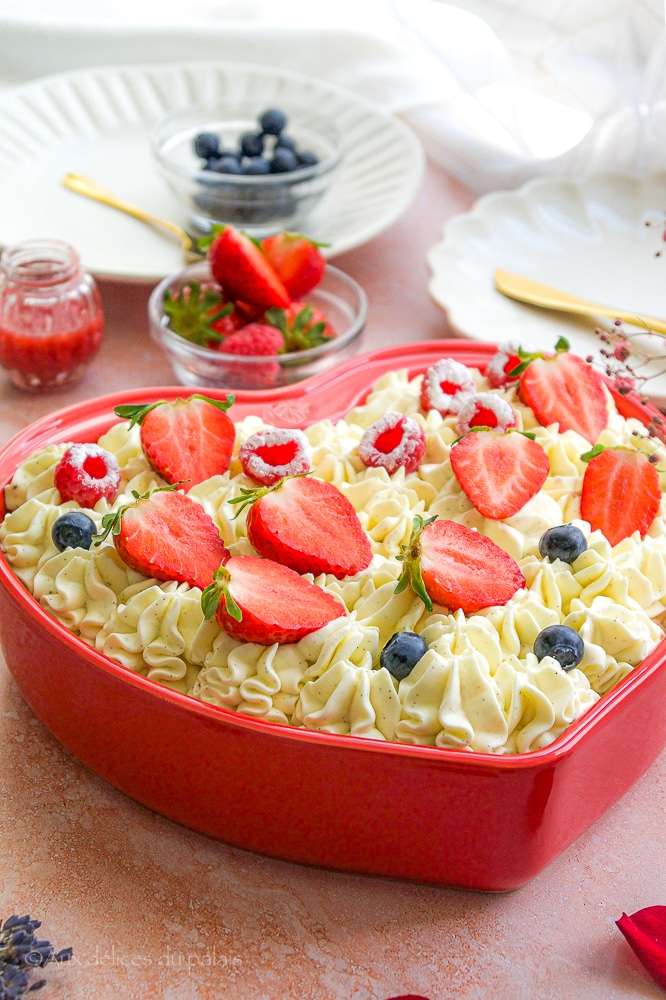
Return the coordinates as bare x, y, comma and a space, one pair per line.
464, 561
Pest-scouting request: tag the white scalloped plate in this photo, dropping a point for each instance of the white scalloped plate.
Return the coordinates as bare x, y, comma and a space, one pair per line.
97, 122
584, 236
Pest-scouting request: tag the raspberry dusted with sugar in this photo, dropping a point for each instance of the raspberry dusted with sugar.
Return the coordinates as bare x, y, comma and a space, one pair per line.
446, 386
393, 442
501, 364
485, 409
87, 473
269, 456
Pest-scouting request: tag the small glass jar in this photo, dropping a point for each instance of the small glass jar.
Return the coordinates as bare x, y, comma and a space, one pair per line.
51, 319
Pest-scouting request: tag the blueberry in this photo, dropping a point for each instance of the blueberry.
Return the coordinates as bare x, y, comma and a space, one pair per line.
206, 145
565, 542
284, 161
73, 530
252, 144
401, 653
272, 121
562, 643
307, 159
227, 164
256, 165
285, 142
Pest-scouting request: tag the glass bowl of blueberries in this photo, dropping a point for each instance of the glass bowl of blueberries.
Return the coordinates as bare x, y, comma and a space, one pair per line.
246, 163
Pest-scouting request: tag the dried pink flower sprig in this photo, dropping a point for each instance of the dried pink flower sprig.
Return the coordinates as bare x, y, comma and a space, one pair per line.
624, 361
661, 223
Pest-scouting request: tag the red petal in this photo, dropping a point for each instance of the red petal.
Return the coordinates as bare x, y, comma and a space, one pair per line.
409, 996
645, 931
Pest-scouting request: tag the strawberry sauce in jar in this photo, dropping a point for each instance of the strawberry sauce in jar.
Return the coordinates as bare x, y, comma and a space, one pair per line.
51, 319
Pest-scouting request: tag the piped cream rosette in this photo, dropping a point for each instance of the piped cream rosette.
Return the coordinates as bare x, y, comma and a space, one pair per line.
479, 686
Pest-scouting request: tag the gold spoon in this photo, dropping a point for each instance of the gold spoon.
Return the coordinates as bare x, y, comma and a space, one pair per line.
90, 189
536, 294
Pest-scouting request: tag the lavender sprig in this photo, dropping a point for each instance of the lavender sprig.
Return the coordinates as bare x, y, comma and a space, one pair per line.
20, 952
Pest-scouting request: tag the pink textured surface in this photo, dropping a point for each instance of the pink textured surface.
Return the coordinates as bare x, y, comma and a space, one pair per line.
154, 910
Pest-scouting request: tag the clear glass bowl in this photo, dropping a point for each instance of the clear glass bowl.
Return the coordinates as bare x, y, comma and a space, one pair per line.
261, 204
340, 297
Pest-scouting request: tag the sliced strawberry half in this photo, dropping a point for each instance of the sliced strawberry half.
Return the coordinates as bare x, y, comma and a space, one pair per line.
258, 600
243, 271
449, 564
307, 524
563, 389
621, 493
167, 536
298, 261
499, 473
186, 441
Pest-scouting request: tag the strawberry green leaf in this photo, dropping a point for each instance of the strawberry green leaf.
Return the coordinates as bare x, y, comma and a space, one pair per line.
203, 244
278, 319
528, 356
302, 236
213, 594
136, 412
248, 497
193, 311
592, 453
299, 334
111, 522
221, 404
411, 559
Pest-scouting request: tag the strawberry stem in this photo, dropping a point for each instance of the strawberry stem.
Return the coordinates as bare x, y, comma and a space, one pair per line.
250, 496
592, 453
137, 412
193, 310
301, 333
111, 522
411, 560
213, 594
528, 356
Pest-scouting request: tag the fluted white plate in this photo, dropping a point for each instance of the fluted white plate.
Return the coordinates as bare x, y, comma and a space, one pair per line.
97, 122
585, 236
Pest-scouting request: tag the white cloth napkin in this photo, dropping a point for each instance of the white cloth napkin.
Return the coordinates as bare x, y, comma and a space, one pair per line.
499, 91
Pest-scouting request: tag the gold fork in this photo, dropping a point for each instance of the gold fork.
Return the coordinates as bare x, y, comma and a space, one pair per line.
537, 294
90, 189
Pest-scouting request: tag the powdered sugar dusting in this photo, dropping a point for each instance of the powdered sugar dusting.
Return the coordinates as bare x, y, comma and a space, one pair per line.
446, 386
255, 457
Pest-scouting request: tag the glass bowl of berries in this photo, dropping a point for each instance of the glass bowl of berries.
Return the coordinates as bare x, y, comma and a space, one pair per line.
244, 162
256, 315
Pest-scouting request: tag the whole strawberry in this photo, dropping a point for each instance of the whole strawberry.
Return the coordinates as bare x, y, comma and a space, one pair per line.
298, 261
186, 441
258, 600
167, 536
308, 525
452, 565
243, 271
621, 492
